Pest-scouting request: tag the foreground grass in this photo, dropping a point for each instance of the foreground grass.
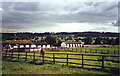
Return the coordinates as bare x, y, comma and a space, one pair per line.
26, 68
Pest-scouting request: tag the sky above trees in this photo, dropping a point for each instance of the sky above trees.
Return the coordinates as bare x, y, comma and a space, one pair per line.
63, 16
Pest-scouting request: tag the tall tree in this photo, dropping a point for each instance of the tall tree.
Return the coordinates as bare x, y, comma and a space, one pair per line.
52, 40
88, 40
117, 41
98, 40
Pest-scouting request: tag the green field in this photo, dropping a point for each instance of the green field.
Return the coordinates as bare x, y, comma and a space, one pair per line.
22, 66
107, 49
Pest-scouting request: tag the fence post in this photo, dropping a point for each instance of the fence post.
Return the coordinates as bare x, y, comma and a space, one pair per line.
11, 54
18, 55
114, 51
67, 59
6, 54
43, 58
82, 61
102, 62
53, 58
34, 56
101, 51
26, 56
80, 49
96, 51
108, 51
118, 52
90, 50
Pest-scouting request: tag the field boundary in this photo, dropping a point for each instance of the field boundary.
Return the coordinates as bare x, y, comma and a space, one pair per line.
86, 50
12, 55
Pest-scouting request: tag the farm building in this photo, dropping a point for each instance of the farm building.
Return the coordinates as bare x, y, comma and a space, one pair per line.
70, 44
23, 45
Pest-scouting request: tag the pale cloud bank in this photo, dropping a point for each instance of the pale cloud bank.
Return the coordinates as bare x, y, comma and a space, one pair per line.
59, 16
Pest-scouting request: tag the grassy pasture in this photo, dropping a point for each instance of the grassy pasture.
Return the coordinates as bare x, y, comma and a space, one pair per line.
26, 68
92, 49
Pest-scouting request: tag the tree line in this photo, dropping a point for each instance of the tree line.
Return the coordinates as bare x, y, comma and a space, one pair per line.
56, 41
56, 38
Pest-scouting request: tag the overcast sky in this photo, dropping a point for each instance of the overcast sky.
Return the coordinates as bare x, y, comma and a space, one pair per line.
59, 16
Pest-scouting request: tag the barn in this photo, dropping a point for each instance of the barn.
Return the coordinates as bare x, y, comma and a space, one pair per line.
24, 45
70, 44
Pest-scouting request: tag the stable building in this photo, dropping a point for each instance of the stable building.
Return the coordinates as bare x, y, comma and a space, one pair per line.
70, 44
24, 45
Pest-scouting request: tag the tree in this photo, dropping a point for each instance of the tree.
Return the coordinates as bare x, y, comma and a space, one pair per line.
98, 40
70, 38
52, 40
82, 42
88, 40
112, 41
117, 41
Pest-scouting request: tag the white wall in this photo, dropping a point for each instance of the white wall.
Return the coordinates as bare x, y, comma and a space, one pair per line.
48, 46
15, 46
39, 46
67, 45
73, 45
21, 46
44, 46
33, 46
27, 46
63, 44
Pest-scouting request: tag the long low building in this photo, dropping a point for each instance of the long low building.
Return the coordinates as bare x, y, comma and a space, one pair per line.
70, 44
24, 44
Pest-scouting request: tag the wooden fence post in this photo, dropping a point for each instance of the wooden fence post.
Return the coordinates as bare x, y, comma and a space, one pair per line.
67, 59
53, 58
26, 56
82, 61
11, 54
90, 50
85, 51
118, 52
80, 49
102, 62
96, 51
101, 51
108, 51
6, 54
114, 51
18, 55
43, 58
34, 56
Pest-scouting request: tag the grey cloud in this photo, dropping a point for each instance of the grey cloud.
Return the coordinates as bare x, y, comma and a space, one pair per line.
40, 14
116, 23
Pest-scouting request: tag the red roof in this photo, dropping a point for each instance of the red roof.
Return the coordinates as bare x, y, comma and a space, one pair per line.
67, 41
17, 42
72, 42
